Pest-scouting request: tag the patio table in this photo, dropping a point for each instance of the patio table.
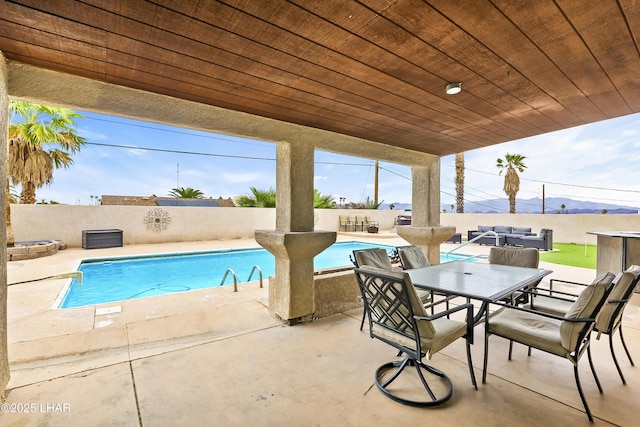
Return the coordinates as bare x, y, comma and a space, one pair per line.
479, 281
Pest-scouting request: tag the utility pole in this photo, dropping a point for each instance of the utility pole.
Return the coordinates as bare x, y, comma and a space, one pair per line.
177, 175
542, 199
375, 186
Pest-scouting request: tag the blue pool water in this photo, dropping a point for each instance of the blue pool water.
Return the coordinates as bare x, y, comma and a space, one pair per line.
117, 279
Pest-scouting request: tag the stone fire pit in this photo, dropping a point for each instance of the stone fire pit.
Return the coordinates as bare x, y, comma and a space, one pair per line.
32, 249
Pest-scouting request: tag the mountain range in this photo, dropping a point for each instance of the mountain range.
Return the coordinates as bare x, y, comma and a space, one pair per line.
532, 206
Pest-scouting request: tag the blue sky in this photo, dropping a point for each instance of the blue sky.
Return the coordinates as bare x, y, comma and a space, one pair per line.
595, 162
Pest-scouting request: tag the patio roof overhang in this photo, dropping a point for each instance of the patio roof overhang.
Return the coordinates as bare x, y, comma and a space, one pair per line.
371, 70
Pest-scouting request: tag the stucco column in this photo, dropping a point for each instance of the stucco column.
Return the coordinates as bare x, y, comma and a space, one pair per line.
425, 229
294, 243
4, 124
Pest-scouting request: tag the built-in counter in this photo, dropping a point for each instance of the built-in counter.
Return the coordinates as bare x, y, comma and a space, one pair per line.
617, 250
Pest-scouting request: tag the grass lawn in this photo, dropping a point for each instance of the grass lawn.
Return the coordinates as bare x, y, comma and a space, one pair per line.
571, 254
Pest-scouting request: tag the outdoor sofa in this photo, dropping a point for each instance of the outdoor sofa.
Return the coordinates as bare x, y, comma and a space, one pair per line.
513, 236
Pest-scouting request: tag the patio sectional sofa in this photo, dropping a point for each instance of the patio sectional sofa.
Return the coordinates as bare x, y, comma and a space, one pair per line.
513, 236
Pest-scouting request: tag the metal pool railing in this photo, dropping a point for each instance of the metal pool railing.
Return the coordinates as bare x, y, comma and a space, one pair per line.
486, 233
235, 278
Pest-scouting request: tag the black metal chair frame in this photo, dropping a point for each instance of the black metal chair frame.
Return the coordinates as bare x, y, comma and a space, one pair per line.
354, 260
616, 319
583, 344
388, 306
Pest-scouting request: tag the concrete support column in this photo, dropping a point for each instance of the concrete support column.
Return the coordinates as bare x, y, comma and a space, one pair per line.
294, 243
425, 229
4, 125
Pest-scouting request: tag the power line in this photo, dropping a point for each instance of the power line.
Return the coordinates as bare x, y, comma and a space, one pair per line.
164, 150
567, 185
168, 129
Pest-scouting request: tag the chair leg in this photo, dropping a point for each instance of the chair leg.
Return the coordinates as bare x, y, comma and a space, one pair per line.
584, 400
624, 345
615, 360
510, 348
422, 369
593, 369
486, 356
470, 363
364, 316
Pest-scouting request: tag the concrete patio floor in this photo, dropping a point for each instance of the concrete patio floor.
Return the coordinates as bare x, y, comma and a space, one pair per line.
217, 357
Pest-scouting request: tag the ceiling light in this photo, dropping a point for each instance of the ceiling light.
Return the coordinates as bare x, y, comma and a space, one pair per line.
453, 88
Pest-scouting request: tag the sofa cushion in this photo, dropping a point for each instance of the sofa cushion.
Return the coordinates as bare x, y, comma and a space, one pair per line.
521, 230
501, 229
483, 228
534, 237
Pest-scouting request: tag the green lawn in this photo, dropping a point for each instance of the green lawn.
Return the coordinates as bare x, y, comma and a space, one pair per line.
571, 254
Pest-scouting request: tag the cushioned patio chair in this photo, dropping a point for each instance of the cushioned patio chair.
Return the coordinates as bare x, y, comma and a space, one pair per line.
344, 222
566, 336
517, 257
361, 221
398, 318
412, 257
610, 319
379, 258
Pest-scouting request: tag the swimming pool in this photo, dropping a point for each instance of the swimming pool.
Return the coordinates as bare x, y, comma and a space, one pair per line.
115, 279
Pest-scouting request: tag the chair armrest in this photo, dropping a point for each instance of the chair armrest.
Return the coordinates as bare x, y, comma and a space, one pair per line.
549, 291
468, 320
543, 314
617, 301
441, 301
566, 281
446, 312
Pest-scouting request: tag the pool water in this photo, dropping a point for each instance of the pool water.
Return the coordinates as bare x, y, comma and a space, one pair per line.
116, 279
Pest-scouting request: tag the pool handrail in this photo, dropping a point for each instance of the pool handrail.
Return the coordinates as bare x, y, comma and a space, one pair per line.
255, 267
486, 233
235, 279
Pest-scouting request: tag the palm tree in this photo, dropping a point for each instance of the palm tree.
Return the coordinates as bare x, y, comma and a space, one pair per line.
186, 193
267, 199
511, 163
41, 139
369, 203
459, 183
323, 202
260, 199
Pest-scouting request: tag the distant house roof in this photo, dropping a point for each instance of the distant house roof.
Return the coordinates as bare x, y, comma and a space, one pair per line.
209, 203
166, 201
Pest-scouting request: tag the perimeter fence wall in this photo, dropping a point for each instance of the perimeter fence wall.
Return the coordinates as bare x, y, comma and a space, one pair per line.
143, 224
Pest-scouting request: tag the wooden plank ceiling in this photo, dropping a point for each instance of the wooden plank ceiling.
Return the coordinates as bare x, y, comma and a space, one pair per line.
374, 69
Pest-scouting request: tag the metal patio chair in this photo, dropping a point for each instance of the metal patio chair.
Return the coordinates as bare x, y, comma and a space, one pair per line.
379, 258
566, 336
517, 257
610, 319
412, 257
398, 318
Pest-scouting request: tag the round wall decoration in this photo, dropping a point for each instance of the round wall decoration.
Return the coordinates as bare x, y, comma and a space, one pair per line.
157, 220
